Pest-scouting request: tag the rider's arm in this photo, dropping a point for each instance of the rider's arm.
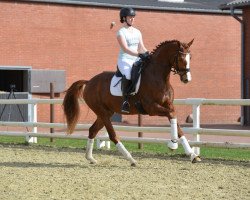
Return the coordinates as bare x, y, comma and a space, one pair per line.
123, 44
141, 47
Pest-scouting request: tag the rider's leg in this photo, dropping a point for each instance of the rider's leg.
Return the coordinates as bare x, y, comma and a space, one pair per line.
125, 67
125, 93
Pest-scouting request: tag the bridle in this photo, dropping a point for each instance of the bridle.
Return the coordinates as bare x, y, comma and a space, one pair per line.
176, 68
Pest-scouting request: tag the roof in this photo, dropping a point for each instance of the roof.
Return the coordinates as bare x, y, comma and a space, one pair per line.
201, 6
238, 4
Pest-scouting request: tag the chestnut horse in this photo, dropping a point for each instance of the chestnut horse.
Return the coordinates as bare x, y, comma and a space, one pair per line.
155, 96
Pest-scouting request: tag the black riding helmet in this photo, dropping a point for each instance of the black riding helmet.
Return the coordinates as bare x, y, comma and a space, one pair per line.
124, 12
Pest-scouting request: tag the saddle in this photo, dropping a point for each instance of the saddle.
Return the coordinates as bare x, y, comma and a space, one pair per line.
115, 86
136, 71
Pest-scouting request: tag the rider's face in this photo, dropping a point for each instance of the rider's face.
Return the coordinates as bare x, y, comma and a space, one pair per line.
130, 20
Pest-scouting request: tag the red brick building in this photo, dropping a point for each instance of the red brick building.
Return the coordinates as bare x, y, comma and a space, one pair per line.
77, 38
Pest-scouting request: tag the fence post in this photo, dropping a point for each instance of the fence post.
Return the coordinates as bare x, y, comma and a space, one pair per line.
140, 134
52, 109
33, 120
196, 124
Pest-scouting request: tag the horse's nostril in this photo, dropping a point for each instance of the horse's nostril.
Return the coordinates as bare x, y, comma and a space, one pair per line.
185, 81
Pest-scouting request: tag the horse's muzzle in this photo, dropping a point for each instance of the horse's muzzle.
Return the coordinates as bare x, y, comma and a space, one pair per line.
185, 78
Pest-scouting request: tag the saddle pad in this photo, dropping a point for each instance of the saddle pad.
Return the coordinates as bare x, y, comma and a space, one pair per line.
115, 86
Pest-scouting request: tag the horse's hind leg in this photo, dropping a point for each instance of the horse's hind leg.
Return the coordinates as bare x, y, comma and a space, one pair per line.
93, 130
115, 139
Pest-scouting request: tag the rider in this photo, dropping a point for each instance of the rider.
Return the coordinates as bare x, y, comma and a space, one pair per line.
131, 47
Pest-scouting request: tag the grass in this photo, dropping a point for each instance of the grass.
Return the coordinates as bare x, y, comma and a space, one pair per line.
206, 152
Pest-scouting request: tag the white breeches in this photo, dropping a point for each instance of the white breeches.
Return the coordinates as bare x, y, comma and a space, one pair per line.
125, 67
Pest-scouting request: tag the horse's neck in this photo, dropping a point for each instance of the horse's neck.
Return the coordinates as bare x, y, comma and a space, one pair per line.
155, 74
160, 70
162, 58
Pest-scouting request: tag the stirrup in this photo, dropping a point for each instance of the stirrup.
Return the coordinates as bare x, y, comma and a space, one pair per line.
125, 107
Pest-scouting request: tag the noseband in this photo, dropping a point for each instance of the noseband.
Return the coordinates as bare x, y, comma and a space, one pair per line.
176, 69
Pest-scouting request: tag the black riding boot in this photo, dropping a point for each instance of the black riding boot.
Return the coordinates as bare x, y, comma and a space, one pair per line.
125, 93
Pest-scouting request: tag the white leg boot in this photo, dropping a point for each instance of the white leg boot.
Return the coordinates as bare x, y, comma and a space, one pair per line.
125, 153
173, 144
89, 150
188, 150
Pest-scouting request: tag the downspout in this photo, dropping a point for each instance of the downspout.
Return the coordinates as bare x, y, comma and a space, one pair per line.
242, 60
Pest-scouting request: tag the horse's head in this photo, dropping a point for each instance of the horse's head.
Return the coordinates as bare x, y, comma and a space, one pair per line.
181, 62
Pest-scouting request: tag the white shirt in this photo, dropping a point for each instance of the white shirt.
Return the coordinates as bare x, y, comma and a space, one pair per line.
132, 38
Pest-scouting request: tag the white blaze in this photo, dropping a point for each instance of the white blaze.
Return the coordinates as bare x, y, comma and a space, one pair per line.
189, 78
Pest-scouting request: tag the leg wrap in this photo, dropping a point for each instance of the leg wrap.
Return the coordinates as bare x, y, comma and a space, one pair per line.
89, 149
189, 151
125, 152
186, 146
173, 144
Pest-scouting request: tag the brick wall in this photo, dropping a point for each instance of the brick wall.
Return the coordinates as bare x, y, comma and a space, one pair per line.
79, 40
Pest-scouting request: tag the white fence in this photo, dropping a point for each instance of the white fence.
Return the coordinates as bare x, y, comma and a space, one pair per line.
196, 131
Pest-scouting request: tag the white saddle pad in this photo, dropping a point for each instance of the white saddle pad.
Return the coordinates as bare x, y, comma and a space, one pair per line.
115, 86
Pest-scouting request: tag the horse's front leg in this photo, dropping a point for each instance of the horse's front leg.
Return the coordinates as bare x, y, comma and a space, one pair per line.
185, 144
168, 110
176, 132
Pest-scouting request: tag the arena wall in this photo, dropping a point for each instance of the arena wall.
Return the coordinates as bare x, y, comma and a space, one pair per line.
79, 39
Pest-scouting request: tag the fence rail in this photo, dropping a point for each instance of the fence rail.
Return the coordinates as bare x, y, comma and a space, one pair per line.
196, 131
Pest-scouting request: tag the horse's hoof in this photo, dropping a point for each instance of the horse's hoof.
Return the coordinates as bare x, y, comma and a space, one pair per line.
92, 161
196, 159
171, 149
172, 145
133, 165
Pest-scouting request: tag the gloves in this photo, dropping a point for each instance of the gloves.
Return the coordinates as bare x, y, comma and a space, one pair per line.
144, 56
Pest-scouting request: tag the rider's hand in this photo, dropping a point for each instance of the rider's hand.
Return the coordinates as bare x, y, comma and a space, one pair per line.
144, 56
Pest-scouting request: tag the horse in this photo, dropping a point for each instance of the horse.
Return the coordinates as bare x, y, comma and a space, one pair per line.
155, 96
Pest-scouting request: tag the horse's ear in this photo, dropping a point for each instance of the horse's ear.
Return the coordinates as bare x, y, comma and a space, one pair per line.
190, 43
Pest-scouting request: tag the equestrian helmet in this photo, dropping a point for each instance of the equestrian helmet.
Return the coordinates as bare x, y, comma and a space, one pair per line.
124, 12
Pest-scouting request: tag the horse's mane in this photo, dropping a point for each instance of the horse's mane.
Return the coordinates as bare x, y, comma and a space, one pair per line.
163, 44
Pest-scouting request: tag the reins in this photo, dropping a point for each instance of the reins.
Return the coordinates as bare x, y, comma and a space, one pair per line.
176, 69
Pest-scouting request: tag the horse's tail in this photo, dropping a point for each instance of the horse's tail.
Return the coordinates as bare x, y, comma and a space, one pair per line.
71, 105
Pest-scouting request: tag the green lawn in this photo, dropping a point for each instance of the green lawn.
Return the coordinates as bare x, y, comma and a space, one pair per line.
206, 152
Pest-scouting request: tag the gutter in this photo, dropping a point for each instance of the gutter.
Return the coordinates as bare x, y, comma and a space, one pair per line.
242, 58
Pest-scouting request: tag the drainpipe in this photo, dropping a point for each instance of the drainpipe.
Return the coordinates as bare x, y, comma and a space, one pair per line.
242, 60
